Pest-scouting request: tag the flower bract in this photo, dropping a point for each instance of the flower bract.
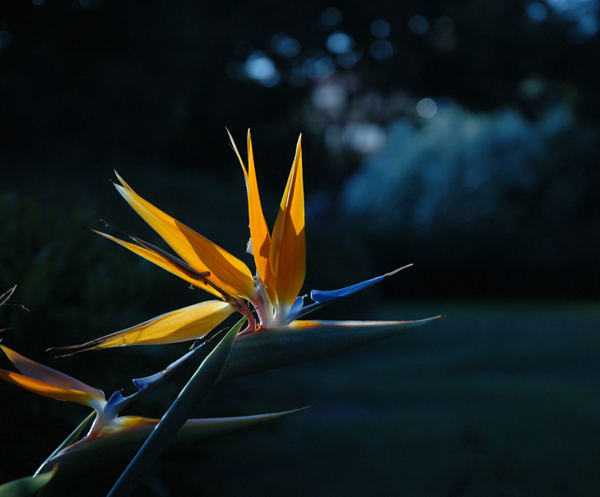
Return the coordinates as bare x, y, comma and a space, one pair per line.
269, 298
51, 383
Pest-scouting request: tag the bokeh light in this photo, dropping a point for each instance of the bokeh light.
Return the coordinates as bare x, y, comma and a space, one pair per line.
426, 108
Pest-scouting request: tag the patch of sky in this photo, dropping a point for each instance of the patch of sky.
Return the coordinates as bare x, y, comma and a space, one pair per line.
537, 11
285, 45
364, 137
418, 24
583, 12
320, 68
331, 17
380, 28
317, 68
347, 60
426, 108
329, 97
262, 69
381, 49
339, 42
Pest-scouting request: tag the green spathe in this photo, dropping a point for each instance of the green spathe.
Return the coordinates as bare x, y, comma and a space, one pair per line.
28, 486
270, 349
122, 445
195, 390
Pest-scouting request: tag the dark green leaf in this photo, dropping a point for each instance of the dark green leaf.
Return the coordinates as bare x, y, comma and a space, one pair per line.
27, 486
71, 439
194, 391
274, 349
113, 447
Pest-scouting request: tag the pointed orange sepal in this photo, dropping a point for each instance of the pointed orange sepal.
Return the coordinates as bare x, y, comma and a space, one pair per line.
227, 271
260, 238
187, 323
288, 239
48, 382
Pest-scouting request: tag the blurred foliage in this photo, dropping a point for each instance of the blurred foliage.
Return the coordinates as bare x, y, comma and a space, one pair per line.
493, 196
488, 187
147, 80
497, 399
60, 275
91, 85
69, 295
77, 286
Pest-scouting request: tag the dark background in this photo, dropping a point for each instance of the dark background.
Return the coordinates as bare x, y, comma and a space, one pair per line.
460, 136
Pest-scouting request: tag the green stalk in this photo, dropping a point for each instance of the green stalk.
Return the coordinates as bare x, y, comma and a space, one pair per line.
196, 389
72, 438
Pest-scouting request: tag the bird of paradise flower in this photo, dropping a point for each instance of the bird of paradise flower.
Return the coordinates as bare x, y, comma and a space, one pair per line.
269, 299
106, 422
51, 383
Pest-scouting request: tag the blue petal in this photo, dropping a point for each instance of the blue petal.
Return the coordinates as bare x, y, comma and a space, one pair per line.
117, 401
322, 297
146, 381
114, 402
297, 307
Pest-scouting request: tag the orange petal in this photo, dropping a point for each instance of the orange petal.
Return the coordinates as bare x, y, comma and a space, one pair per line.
259, 231
288, 240
187, 323
126, 423
227, 271
303, 323
331, 324
161, 261
47, 379
45, 389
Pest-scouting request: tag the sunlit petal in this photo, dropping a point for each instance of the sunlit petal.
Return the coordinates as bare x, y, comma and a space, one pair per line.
288, 241
227, 271
44, 375
259, 232
188, 323
303, 323
299, 324
163, 262
122, 423
48, 390
123, 441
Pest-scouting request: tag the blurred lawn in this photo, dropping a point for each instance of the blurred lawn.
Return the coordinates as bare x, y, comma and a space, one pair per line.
497, 399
